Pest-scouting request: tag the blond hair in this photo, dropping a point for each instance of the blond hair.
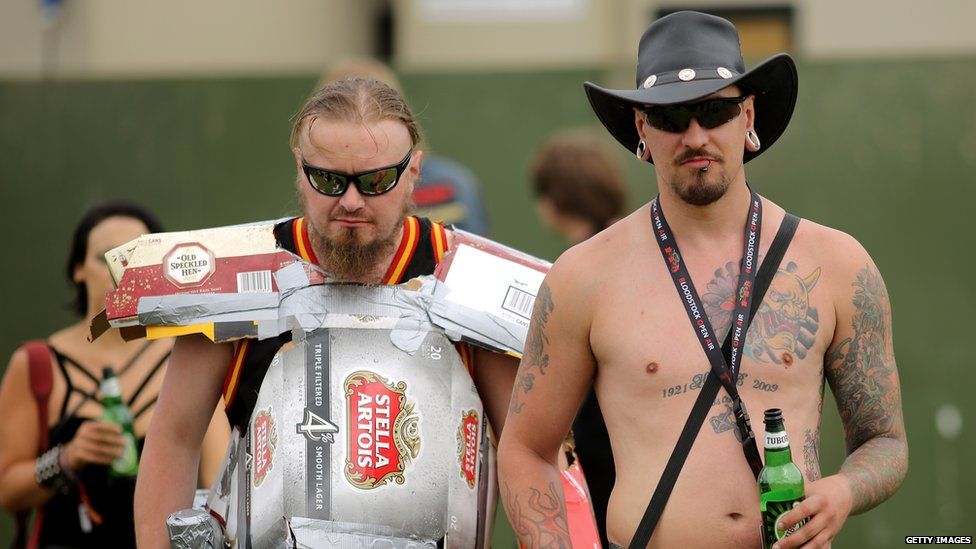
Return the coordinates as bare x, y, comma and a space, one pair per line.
356, 100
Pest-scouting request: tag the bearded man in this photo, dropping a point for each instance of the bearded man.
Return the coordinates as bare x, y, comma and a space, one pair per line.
357, 157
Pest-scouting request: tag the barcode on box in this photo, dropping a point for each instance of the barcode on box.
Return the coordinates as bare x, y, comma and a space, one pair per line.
254, 282
519, 302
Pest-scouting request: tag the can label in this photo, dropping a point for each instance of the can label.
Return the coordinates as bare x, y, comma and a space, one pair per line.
467, 446
265, 441
384, 430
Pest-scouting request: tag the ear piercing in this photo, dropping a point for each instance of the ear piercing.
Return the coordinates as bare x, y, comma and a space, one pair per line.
641, 149
753, 138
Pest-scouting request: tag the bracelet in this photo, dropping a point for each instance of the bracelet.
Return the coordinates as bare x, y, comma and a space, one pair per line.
48, 472
65, 467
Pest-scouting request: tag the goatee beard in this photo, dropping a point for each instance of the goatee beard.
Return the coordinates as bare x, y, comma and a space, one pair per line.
698, 192
346, 257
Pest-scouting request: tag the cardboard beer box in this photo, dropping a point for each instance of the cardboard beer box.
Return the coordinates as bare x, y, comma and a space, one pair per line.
241, 259
488, 280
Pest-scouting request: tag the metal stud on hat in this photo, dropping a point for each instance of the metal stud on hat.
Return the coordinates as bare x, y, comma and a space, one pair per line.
694, 55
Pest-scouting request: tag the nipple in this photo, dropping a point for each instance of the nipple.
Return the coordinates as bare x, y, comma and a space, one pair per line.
651, 367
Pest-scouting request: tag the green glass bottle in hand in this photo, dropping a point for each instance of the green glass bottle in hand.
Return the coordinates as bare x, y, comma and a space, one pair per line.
127, 465
780, 482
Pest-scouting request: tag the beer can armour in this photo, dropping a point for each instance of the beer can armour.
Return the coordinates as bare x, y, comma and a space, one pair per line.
360, 440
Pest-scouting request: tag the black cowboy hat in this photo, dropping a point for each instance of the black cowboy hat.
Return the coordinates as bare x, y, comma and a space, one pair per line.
689, 55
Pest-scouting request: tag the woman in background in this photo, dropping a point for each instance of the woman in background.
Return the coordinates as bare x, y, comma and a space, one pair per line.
81, 505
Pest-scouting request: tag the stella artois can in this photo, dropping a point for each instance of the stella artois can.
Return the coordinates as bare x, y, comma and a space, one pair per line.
351, 436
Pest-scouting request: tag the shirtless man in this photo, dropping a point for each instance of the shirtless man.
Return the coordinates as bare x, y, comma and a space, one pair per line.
350, 127
609, 309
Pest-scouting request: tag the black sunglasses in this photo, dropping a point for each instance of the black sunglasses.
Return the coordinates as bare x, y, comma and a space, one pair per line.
710, 114
370, 183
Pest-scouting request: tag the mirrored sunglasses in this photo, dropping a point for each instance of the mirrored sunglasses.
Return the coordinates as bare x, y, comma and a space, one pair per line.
369, 183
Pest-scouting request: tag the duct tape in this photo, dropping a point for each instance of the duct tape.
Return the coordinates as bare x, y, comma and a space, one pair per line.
194, 529
186, 309
312, 533
477, 326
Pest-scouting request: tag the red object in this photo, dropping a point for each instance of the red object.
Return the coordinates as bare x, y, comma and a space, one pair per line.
41, 382
435, 193
579, 509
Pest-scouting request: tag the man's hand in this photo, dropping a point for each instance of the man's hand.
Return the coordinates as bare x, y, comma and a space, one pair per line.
826, 507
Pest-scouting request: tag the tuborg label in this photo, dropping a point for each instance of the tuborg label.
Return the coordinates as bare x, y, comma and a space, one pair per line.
776, 441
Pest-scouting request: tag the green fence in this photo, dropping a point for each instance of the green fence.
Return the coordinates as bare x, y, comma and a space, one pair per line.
883, 150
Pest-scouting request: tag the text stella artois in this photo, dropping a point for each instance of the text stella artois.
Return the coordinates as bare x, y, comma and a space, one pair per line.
383, 430
467, 442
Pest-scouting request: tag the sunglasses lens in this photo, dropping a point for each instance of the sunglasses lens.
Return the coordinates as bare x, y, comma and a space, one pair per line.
712, 114
668, 119
675, 118
378, 182
327, 183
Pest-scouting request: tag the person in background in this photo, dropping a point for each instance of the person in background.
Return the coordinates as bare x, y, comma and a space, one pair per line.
447, 192
578, 185
69, 485
579, 191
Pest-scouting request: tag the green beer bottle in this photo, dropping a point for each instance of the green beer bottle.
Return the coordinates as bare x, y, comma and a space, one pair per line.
127, 465
780, 482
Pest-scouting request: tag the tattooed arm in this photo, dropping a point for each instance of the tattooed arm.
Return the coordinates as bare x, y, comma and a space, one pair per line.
555, 372
863, 377
860, 367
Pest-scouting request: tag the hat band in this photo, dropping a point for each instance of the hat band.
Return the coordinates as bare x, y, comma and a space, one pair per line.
687, 75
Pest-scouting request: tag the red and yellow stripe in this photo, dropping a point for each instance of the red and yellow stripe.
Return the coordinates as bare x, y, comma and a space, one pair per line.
302, 243
408, 245
394, 275
234, 375
438, 237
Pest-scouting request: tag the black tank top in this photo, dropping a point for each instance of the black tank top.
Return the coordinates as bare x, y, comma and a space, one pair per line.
421, 248
111, 498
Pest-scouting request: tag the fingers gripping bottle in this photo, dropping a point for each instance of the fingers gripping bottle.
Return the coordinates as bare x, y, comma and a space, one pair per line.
127, 465
780, 482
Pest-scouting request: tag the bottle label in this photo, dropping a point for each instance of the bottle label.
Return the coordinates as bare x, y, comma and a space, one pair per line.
777, 441
128, 463
111, 387
771, 515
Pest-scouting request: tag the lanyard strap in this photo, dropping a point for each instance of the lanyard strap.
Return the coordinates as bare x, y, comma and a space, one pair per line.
703, 403
725, 371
